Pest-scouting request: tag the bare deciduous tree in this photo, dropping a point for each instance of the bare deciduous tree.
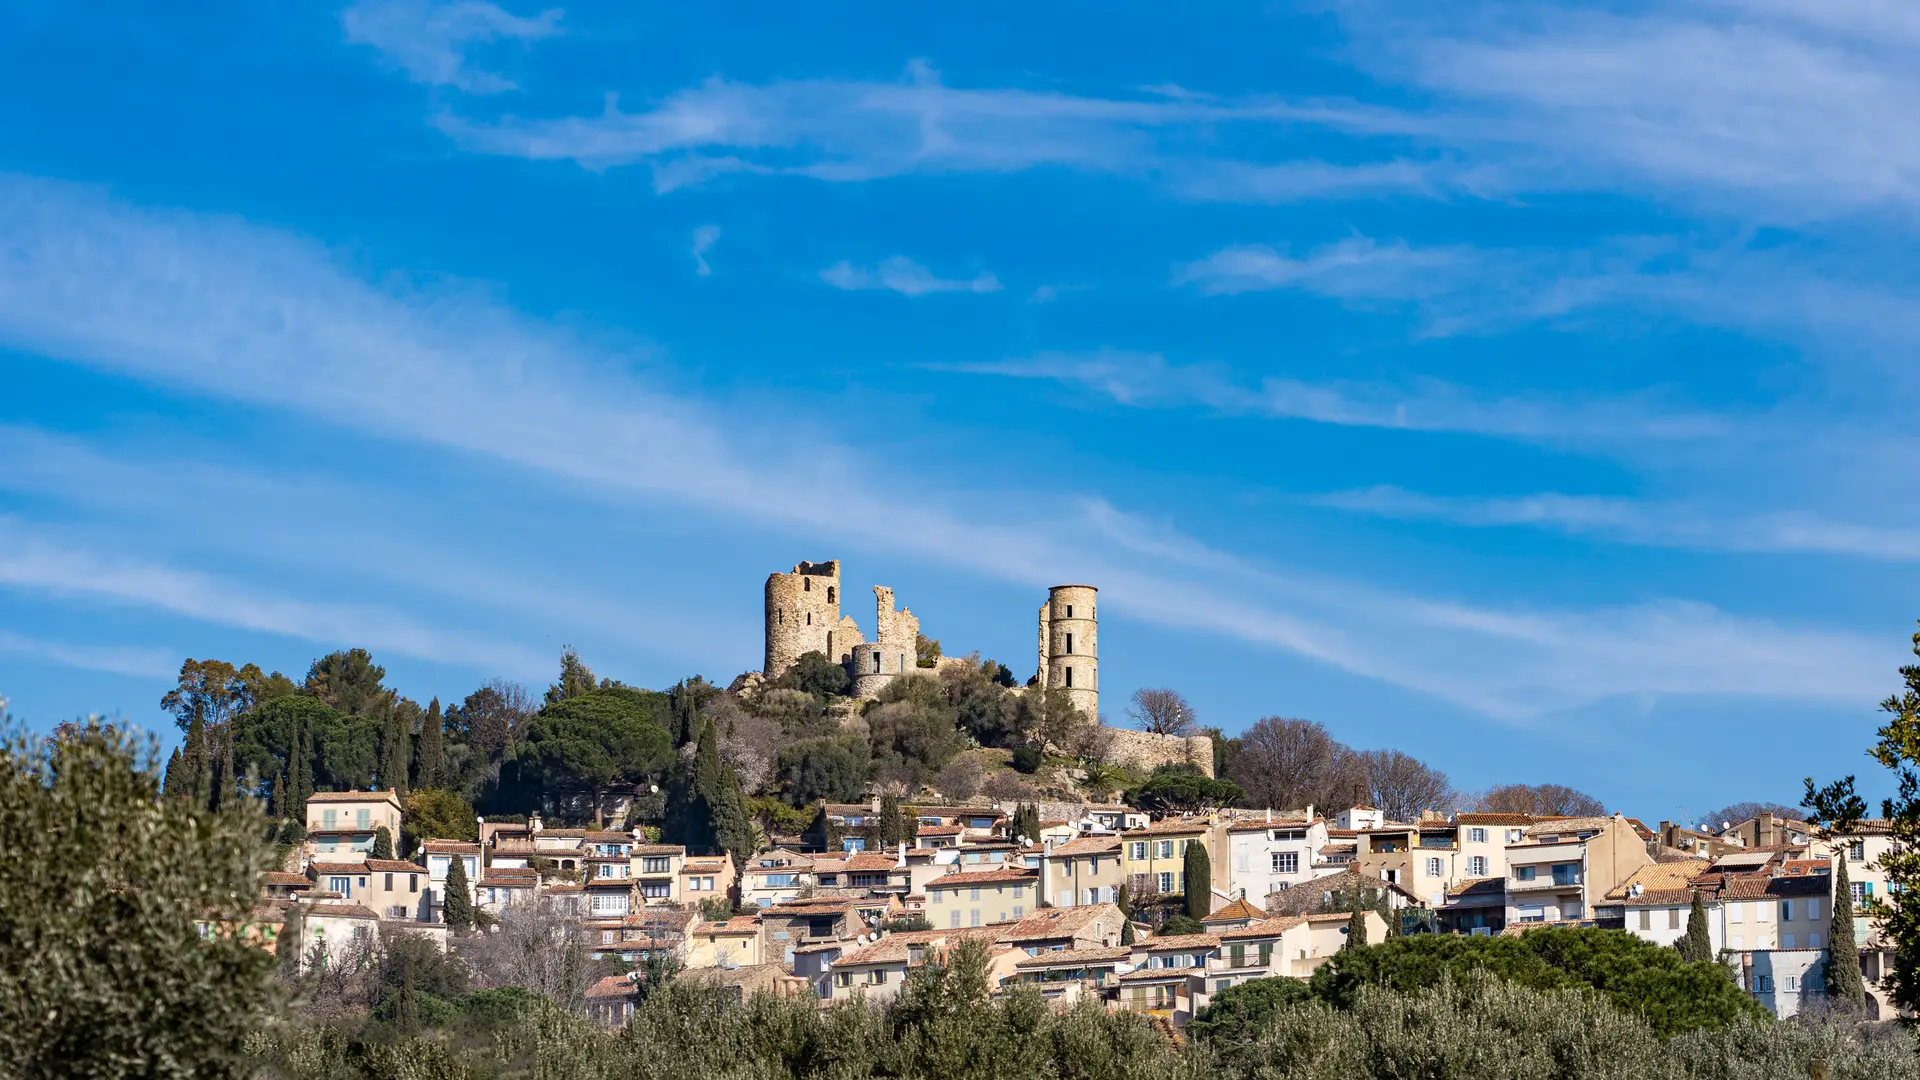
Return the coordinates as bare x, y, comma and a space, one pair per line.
1541, 800
539, 946
1401, 785
1290, 764
1162, 711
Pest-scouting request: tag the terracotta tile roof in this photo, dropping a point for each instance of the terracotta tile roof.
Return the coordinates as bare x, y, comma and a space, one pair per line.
1170, 827
1479, 888
451, 847
281, 877
739, 924
1077, 957
702, 866
1562, 826
1662, 883
1157, 974
1497, 819
491, 882
1235, 911
1333, 916
659, 849
353, 796
940, 830
1086, 846
395, 866
867, 861
599, 836
340, 911
613, 986
348, 868
1050, 923
982, 877
1180, 941
1264, 928
1262, 825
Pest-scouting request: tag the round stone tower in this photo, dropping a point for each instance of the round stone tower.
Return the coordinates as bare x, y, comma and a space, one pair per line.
803, 611
1070, 645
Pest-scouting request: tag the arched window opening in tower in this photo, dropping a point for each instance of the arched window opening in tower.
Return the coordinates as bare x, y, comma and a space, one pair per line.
1069, 642
1069, 611
806, 584
1069, 678
829, 594
876, 663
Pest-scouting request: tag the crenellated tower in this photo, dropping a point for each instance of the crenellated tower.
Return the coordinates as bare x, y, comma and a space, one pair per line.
1070, 645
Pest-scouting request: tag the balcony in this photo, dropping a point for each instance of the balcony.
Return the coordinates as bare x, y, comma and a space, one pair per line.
1543, 885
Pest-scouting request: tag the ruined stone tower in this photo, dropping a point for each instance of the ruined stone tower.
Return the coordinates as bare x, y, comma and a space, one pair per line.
1070, 645
895, 647
803, 616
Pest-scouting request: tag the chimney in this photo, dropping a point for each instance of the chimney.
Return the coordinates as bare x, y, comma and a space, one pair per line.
874, 804
1269, 815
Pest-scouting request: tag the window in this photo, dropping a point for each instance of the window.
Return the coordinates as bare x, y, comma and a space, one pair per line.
1433, 868
954, 920
1673, 918
413, 883
1019, 910
1857, 850
652, 866
1166, 882
1813, 941
1266, 953
328, 818
1069, 677
1786, 913
362, 818
341, 885
1566, 873
1646, 919
1859, 889
974, 893
830, 594
1286, 862
1736, 912
1166, 849
1786, 942
1477, 866
656, 890
1738, 942
776, 881
1524, 873
1476, 836
389, 883
609, 903
1069, 611
1391, 877
973, 917
1813, 908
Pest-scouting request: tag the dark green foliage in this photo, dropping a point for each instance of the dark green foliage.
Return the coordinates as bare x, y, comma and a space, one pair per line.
1844, 980
1638, 976
352, 683
1197, 872
575, 678
586, 745
432, 814
926, 651
291, 945
1184, 793
1027, 760
912, 920
1244, 1012
822, 834
1357, 922
813, 673
981, 705
1697, 946
382, 844
1181, 924
396, 749
430, 763
911, 729
416, 983
832, 767
896, 825
1024, 826
458, 903
103, 972
1126, 931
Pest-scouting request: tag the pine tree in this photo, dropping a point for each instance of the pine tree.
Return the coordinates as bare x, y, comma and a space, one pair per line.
432, 761
398, 754
382, 843
459, 906
1843, 953
1198, 871
1696, 947
302, 779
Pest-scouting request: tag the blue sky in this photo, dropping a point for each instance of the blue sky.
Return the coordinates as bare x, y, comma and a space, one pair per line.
1525, 387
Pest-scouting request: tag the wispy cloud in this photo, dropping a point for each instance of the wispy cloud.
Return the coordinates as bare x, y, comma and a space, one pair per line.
257, 317
904, 276
1644, 523
1148, 380
704, 238
1356, 268
31, 561
431, 40
138, 662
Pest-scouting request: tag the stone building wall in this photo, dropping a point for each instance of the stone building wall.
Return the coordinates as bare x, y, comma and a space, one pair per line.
1070, 645
894, 649
1144, 750
802, 612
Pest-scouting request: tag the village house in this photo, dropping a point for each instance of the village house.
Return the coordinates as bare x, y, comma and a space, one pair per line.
1080, 871
439, 856
980, 897
1155, 857
1272, 853
655, 869
341, 825
1564, 868
733, 942
1059, 929
1421, 858
775, 877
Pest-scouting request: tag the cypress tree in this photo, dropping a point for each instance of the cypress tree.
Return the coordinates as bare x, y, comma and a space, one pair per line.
195, 759
432, 761
1198, 872
720, 808
1357, 916
303, 773
1696, 947
399, 752
220, 788
1843, 955
458, 909
382, 843
175, 783
1126, 931
291, 945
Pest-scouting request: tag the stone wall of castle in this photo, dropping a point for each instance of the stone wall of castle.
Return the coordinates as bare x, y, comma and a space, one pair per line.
895, 647
802, 613
1145, 751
